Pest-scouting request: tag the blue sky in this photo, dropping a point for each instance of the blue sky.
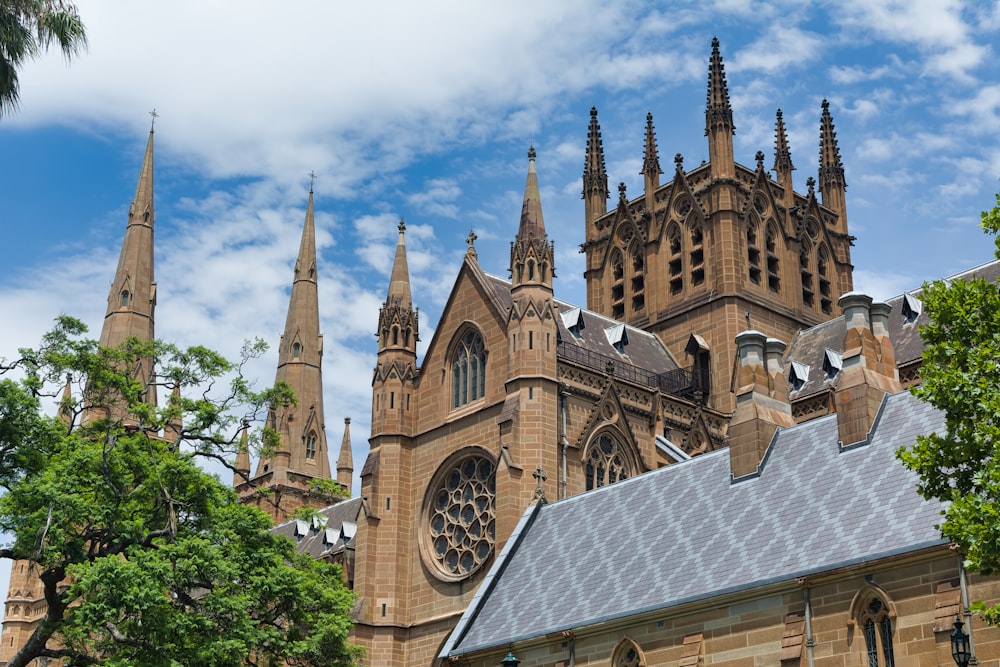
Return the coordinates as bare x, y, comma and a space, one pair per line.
425, 111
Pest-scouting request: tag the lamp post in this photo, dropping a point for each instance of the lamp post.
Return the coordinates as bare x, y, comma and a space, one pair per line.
960, 649
510, 660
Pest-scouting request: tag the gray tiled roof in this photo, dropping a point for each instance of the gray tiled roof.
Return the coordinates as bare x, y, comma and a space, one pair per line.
633, 546
644, 350
810, 345
317, 538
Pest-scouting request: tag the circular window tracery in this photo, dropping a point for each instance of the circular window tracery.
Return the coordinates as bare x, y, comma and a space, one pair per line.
461, 517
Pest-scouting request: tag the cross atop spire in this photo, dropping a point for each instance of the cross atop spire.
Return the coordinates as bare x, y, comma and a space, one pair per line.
312, 179
154, 116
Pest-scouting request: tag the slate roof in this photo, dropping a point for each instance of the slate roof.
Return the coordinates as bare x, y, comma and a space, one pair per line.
333, 530
631, 547
644, 350
810, 345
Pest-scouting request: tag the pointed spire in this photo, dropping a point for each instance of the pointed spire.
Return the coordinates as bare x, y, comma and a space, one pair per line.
132, 296
65, 409
782, 155
345, 461
300, 363
783, 166
399, 281
651, 163
719, 126
595, 176
832, 185
532, 223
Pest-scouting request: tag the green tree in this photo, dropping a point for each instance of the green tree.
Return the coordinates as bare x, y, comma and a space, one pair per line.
961, 377
145, 558
29, 27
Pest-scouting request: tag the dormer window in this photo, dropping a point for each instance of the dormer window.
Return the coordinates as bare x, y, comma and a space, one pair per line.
798, 374
573, 320
912, 308
618, 337
832, 363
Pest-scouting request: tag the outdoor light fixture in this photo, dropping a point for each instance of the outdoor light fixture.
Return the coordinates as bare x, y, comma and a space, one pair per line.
510, 660
960, 650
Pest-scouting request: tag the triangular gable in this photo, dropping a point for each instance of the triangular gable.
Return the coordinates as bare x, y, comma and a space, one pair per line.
608, 412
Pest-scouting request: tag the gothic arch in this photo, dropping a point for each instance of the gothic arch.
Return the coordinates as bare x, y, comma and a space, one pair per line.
874, 613
772, 237
608, 458
753, 250
617, 264
824, 271
637, 276
466, 364
696, 250
627, 653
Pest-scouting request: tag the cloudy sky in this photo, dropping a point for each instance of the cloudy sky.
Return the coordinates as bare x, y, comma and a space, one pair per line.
425, 111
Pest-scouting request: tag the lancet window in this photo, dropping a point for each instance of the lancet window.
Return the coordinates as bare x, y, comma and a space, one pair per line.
773, 268
808, 293
468, 370
617, 285
697, 254
638, 281
676, 259
753, 254
311, 446
822, 268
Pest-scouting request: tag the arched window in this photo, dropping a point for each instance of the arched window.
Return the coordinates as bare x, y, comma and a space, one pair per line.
627, 654
676, 259
296, 351
773, 272
125, 296
753, 254
395, 335
697, 254
822, 268
468, 370
638, 280
531, 270
311, 446
877, 628
617, 285
806, 274
606, 462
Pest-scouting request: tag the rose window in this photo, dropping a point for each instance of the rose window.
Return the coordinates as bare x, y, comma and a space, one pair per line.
462, 517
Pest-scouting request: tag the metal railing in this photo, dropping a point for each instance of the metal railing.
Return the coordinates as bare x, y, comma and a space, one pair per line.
685, 382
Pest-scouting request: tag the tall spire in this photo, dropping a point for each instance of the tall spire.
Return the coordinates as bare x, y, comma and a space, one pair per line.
651, 163
345, 461
399, 281
831, 169
132, 297
719, 126
302, 428
531, 254
595, 176
783, 166
532, 223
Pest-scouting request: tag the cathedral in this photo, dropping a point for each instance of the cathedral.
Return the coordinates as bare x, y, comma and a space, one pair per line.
697, 468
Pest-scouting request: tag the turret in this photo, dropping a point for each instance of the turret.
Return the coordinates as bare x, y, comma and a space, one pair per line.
595, 176
719, 118
345, 461
832, 185
398, 333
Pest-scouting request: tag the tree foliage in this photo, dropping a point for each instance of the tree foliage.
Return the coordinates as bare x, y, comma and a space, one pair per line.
961, 377
29, 27
143, 557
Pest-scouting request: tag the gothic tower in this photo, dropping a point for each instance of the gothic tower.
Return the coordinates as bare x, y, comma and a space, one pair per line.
301, 454
131, 302
719, 249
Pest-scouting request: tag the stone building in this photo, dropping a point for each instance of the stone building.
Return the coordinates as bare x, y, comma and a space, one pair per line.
697, 468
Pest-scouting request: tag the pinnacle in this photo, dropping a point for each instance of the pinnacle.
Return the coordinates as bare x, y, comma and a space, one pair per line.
532, 222
399, 281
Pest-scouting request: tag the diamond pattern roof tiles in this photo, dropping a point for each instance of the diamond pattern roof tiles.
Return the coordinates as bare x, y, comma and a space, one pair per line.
687, 532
